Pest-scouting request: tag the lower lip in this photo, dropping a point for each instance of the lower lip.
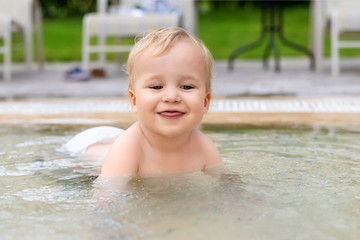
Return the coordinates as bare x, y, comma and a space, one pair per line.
171, 115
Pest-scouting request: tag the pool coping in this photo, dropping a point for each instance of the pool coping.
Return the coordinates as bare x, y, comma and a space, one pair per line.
289, 112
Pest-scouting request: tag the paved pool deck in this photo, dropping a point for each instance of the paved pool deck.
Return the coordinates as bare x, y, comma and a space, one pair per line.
247, 96
247, 79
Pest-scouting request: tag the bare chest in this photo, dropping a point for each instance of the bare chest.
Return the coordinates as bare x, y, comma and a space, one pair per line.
157, 163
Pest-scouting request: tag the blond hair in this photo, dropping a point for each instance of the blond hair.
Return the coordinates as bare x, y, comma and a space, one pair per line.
163, 40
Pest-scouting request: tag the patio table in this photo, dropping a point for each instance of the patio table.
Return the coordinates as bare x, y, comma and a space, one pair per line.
272, 24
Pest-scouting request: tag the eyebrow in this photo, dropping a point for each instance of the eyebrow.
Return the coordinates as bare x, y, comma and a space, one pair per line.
183, 77
190, 77
154, 77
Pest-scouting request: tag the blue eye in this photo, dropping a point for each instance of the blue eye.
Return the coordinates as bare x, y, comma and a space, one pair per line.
187, 87
156, 87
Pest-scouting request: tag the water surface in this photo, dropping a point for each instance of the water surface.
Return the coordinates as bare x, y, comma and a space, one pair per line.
276, 184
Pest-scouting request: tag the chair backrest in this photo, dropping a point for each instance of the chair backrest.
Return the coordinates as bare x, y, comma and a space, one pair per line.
5, 28
187, 7
348, 11
330, 5
20, 11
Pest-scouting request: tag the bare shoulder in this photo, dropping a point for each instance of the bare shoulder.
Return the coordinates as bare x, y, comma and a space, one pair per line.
123, 156
211, 152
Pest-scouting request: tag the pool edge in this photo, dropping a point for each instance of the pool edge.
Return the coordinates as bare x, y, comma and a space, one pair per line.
257, 112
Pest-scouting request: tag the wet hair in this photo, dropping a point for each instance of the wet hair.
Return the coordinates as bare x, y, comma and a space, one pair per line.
162, 40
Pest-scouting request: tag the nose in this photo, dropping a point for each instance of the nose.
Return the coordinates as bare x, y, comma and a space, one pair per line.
171, 94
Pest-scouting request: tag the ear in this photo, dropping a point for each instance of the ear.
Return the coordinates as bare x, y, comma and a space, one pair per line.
207, 102
133, 101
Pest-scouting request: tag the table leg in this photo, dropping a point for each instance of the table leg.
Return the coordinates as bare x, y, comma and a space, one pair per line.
249, 46
271, 24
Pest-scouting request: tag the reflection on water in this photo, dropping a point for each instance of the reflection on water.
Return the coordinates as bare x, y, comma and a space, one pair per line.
275, 184
179, 205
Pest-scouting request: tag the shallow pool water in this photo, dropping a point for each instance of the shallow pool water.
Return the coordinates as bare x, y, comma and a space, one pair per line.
276, 184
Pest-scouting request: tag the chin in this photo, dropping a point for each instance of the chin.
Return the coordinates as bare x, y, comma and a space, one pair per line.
173, 133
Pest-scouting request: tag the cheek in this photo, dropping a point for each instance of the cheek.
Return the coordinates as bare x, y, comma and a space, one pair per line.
199, 104
145, 102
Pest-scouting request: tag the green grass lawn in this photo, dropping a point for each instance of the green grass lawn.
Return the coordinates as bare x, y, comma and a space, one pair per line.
62, 39
222, 31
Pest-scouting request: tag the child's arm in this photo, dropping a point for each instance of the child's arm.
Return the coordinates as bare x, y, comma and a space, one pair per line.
122, 158
213, 157
213, 164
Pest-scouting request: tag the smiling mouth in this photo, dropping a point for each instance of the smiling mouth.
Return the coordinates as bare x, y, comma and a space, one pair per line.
171, 114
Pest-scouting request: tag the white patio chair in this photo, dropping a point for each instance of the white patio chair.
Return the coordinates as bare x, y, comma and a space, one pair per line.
5, 49
25, 16
121, 23
344, 16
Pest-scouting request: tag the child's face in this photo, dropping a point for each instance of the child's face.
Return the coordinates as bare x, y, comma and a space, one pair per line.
169, 91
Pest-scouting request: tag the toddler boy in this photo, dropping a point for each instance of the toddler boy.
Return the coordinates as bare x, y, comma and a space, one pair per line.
170, 74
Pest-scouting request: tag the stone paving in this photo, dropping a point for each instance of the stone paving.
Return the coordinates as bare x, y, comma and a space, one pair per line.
247, 79
249, 95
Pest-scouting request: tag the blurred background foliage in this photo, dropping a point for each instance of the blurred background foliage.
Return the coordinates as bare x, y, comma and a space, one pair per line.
71, 8
223, 25
66, 8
